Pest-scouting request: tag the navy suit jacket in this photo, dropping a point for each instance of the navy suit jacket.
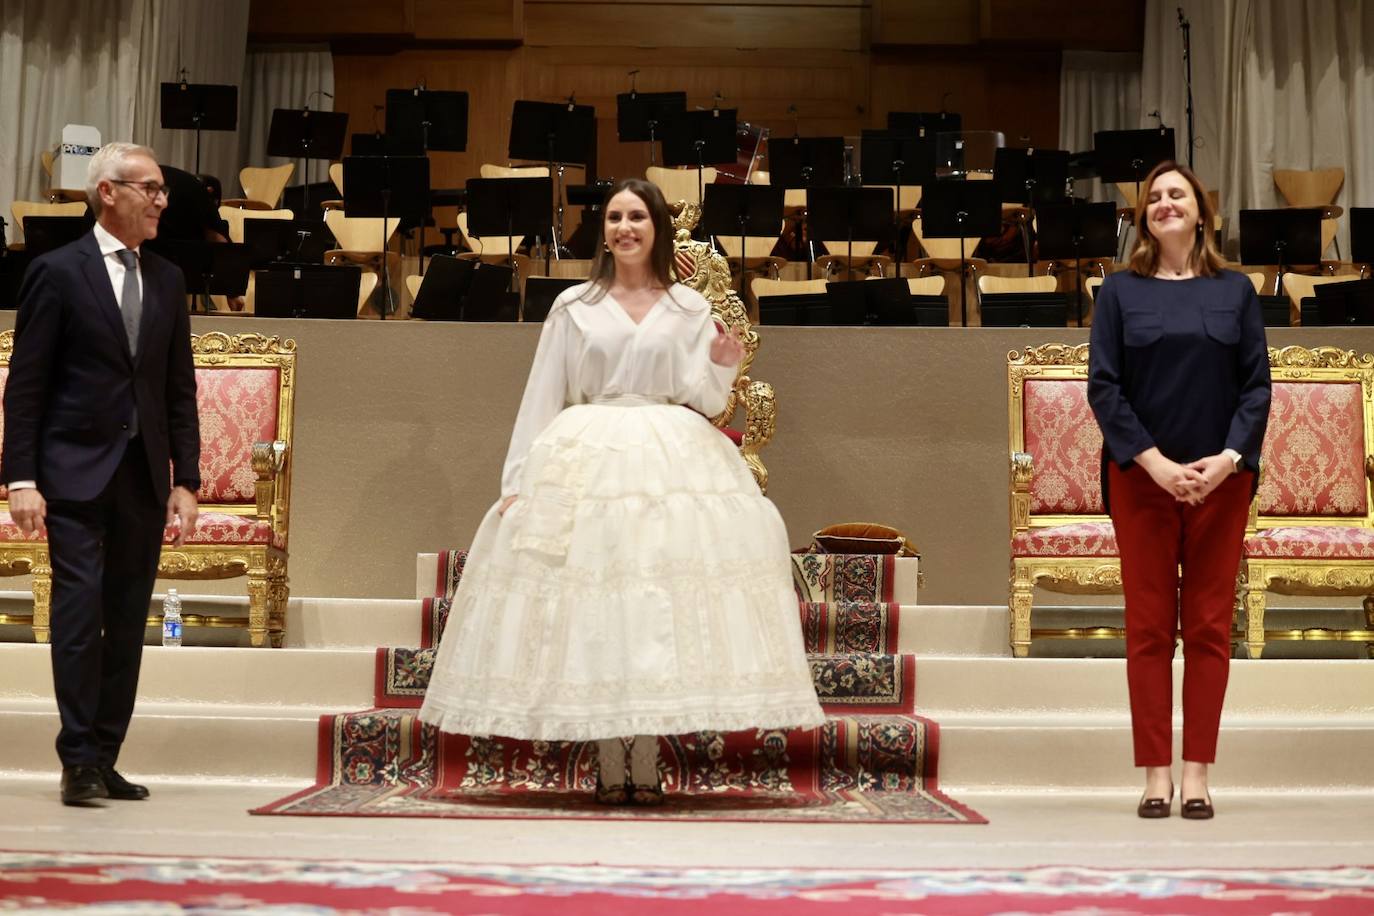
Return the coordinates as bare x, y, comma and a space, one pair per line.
73, 387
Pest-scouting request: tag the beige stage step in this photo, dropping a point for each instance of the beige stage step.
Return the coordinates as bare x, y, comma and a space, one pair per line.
905, 579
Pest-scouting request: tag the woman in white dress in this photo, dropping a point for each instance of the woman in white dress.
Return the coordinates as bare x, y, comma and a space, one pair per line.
632, 580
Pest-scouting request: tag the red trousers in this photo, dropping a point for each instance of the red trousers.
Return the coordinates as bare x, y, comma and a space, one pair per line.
1156, 535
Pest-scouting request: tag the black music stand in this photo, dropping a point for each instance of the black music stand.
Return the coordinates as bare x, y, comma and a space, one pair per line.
389, 187
1361, 235
316, 291
304, 134
1291, 235
1025, 310
806, 162
800, 310
1126, 156
888, 157
639, 116
1030, 177
849, 213
286, 241
699, 139
885, 302
924, 124
743, 209
13, 264
959, 210
46, 233
209, 268
198, 107
509, 207
459, 289
540, 293
1077, 231
559, 133
1350, 302
370, 144
419, 120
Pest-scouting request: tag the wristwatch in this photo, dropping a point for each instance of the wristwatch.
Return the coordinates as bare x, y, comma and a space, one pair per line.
1234, 455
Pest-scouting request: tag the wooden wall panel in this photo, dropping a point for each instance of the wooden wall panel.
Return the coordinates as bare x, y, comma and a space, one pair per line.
685, 25
1016, 92
469, 20
925, 22
295, 20
1106, 25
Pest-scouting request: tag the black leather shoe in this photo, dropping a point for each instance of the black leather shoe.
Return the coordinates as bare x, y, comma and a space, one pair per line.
1198, 809
121, 788
82, 785
1153, 808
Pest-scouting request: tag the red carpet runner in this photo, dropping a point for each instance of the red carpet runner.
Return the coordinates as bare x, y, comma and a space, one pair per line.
127, 883
874, 760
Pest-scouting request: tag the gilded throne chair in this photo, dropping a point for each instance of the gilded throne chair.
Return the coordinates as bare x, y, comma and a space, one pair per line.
1311, 528
712, 279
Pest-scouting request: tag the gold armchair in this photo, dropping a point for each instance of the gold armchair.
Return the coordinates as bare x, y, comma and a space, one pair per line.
712, 279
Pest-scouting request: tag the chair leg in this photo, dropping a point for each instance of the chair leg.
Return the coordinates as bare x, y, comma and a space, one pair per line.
1369, 622
1019, 603
1254, 615
257, 606
278, 594
42, 597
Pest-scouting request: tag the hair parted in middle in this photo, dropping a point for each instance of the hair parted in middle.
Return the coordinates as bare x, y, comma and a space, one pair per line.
602, 273
1205, 259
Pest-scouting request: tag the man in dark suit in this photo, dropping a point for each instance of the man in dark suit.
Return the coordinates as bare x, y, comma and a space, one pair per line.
101, 399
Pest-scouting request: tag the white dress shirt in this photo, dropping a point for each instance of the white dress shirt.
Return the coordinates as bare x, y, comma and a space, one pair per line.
109, 248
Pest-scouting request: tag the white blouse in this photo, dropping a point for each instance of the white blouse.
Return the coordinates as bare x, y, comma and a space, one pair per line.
594, 351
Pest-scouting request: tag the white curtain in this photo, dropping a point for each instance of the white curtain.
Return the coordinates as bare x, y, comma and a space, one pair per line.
99, 62
281, 77
1276, 84
1097, 91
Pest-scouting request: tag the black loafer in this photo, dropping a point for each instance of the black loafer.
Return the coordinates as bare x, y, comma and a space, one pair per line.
1197, 809
120, 788
1151, 808
82, 785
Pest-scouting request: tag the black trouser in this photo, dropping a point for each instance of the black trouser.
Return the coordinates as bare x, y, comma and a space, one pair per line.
104, 556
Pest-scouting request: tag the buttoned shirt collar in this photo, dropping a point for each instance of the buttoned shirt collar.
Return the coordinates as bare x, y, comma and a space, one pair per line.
108, 243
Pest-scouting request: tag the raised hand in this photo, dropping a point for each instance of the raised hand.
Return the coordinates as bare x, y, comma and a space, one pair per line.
727, 349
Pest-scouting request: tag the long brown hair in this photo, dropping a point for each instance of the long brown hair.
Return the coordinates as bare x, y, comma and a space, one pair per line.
660, 257
1205, 260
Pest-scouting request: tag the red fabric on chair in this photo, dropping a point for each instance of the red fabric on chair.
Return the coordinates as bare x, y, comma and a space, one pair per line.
1314, 451
222, 528
238, 407
1315, 542
1081, 539
1065, 442
9, 531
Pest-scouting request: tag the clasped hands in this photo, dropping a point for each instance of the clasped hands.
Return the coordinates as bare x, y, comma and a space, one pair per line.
1187, 483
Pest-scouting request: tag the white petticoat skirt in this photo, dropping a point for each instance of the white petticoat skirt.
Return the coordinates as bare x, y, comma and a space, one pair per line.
640, 585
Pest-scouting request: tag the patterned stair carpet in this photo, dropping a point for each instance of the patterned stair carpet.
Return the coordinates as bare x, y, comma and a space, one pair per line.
114, 883
874, 761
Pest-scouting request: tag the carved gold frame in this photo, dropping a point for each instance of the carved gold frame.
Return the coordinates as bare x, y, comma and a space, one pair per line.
712, 280
264, 565
1066, 575
1320, 577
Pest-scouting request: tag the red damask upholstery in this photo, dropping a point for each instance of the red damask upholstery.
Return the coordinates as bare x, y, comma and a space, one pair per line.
238, 406
1080, 539
1322, 542
1063, 438
222, 528
1314, 451
9, 531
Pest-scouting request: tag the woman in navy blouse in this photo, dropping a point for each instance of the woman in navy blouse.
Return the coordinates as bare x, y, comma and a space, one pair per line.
1179, 382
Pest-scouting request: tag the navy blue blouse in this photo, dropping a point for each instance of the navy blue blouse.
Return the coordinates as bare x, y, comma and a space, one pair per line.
1178, 364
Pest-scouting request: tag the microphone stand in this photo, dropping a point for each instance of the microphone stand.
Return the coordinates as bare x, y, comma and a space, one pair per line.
1187, 27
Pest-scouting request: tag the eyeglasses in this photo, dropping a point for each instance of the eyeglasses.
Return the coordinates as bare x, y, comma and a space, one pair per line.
151, 189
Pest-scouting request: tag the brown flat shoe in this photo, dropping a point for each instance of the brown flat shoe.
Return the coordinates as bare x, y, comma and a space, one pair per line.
1152, 808
1197, 809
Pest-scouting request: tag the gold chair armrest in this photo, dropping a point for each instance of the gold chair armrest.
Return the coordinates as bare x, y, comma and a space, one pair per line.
1022, 467
268, 460
760, 413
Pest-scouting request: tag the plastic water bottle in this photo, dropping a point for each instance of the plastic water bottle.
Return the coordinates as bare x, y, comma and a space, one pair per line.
171, 618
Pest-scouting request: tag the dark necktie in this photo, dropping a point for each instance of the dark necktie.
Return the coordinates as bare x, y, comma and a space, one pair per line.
131, 305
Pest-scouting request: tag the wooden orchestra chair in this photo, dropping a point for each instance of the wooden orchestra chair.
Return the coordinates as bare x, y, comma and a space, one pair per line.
793, 199
1301, 286
335, 176
762, 286
488, 170
1314, 188
236, 217
361, 242
24, 208
680, 184
926, 286
1091, 285
262, 187
841, 264
498, 249
757, 254
941, 256
413, 282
